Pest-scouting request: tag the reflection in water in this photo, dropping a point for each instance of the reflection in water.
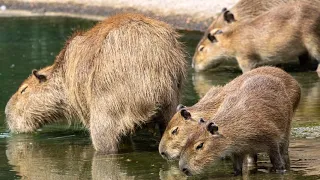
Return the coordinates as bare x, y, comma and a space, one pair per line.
108, 167
305, 156
308, 111
72, 157
57, 160
173, 173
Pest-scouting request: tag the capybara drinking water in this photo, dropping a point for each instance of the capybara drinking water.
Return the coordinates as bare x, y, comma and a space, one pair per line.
255, 118
278, 35
126, 71
244, 10
186, 119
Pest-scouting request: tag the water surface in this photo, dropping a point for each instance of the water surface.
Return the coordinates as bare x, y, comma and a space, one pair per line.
60, 152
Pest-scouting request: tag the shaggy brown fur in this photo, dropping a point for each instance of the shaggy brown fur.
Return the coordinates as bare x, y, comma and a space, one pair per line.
173, 142
125, 71
244, 10
255, 118
279, 35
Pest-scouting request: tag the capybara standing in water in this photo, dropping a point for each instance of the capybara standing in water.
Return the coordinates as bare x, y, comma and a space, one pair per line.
186, 119
255, 118
126, 71
244, 10
278, 35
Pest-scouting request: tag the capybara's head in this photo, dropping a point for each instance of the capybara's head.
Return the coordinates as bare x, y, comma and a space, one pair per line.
176, 134
210, 52
37, 101
201, 149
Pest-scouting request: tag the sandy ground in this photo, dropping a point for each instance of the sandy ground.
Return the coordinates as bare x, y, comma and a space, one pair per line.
183, 14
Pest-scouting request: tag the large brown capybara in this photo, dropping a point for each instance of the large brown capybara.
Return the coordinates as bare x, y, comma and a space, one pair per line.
255, 118
186, 119
126, 71
278, 35
244, 10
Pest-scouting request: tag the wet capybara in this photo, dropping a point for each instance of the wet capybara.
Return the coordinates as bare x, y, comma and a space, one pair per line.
255, 118
244, 10
186, 119
126, 71
289, 30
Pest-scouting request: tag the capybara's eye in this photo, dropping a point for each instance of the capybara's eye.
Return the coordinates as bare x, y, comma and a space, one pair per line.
175, 131
24, 89
199, 146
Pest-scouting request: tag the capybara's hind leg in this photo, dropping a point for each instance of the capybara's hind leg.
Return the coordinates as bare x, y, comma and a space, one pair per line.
104, 134
276, 158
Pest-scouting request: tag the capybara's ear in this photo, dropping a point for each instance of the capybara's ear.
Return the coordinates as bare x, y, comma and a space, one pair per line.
228, 17
185, 114
224, 9
40, 77
212, 128
180, 106
201, 121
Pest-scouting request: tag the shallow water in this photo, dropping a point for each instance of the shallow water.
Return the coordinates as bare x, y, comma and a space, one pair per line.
59, 152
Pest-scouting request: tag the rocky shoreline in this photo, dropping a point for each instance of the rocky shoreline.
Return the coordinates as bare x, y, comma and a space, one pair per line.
186, 15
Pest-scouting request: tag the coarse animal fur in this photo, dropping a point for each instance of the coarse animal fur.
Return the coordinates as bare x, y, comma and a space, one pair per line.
126, 71
244, 10
177, 132
255, 118
288, 31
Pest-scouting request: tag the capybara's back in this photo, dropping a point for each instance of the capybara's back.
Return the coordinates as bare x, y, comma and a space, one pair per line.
138, 59
126, 71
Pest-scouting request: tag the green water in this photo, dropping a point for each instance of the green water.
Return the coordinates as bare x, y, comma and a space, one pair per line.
60, 152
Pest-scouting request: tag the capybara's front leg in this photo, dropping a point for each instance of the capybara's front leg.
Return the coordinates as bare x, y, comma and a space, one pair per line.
104, 135
285, 154
245, 64
237, 164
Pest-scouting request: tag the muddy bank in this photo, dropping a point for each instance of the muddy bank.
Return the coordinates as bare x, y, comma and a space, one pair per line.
182, 14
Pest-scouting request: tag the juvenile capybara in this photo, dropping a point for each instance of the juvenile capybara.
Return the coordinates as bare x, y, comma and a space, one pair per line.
126, 71
278, 35
186, 119
244, 10
255, 118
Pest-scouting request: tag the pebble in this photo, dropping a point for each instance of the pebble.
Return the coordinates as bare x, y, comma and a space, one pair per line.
306, 132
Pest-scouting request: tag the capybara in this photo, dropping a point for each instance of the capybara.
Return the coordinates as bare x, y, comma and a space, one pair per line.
126, 71
289, 30
186, 119
244, 10
255, 118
